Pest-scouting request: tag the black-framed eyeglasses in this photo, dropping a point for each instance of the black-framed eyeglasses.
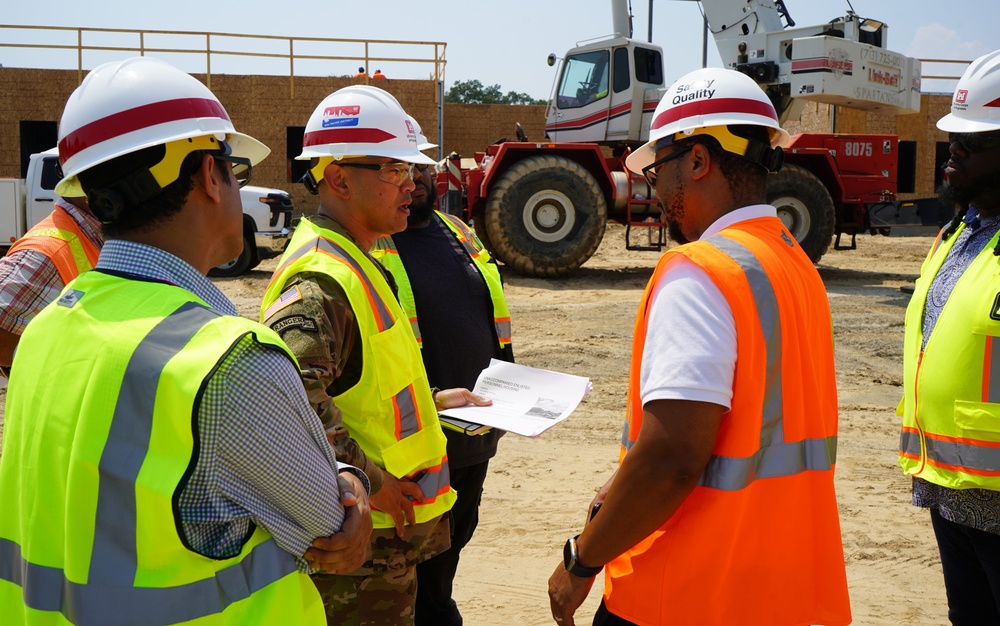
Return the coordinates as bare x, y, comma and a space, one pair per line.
242, 168
650, 170
393, 173
975, 142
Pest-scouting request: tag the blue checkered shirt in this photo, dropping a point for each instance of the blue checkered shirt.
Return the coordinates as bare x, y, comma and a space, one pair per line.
263, 458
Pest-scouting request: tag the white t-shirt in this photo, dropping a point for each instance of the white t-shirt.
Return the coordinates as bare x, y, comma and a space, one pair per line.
690, 351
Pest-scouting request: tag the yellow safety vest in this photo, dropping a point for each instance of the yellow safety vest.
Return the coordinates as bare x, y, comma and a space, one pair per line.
90, 472
390, 412
951, 390
386, 252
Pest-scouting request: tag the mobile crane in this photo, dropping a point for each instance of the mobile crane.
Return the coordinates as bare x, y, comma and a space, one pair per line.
542, 207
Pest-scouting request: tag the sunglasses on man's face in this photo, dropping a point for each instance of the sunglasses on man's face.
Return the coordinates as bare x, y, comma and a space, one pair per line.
242, 168
975, 142
393, 173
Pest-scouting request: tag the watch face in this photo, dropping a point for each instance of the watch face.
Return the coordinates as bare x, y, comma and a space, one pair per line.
567, 554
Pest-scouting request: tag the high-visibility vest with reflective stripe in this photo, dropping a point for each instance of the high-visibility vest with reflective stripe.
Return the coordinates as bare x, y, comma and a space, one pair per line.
758, 540
951, 389
100, 437
61, 239
386, 252
390, 412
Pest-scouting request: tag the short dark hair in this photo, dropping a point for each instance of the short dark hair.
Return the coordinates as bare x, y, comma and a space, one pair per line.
106, 182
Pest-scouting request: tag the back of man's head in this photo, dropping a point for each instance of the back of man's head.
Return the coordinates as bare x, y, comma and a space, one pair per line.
129, 135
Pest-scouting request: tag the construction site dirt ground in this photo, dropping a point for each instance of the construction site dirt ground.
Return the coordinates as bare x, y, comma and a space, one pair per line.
538, 490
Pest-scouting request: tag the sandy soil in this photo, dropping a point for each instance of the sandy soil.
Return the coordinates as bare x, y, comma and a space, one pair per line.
538, 489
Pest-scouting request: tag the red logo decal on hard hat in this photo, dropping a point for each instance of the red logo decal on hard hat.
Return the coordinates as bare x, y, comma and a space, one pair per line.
994, 104
961, 96
341, 116
409, 127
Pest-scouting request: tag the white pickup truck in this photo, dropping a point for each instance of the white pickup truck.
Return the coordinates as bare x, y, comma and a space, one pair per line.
267, 213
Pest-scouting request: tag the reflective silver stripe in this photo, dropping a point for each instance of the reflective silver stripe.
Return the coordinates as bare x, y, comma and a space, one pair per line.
503, 330
963, 455
111, 598
775, 457
992, 391
909, 443
464, 232
626, 442
334, 248
47, 589
432, 483
113, 557
407, 406
781, 459
415, 327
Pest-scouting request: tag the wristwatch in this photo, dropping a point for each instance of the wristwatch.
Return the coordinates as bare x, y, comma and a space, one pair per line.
572, 563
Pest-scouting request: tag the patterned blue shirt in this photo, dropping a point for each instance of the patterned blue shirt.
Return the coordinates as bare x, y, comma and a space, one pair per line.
977, 508
263, 458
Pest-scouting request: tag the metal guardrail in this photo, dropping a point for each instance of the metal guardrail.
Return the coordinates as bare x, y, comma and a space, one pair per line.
948, 62
214, 45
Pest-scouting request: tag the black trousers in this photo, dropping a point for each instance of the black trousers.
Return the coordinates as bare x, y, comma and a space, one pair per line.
604, 617
970, 559
435, 606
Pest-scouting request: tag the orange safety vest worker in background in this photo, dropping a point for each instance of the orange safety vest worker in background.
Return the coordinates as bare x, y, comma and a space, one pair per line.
61, 239
379, 75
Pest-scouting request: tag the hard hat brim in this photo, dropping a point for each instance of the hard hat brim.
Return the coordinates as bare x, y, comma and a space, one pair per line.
951, 123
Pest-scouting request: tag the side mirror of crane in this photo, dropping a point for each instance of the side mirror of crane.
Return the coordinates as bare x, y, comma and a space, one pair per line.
551, 59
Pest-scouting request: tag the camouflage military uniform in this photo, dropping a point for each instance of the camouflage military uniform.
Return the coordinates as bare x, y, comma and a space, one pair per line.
319, 327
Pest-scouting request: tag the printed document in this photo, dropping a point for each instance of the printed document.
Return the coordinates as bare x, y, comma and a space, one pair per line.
526, 400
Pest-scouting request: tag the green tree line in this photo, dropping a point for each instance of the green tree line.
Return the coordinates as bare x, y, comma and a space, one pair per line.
474, 92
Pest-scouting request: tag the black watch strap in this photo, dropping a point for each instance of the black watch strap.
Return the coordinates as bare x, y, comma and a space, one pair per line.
573, 565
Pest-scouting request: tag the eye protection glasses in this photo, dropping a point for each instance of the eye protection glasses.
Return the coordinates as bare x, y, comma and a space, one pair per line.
393, 173
242, 168
650, 170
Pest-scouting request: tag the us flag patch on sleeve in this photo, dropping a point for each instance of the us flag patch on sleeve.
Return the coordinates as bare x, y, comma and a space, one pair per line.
292, 295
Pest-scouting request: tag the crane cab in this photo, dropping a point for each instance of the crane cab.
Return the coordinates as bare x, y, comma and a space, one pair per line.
606, 93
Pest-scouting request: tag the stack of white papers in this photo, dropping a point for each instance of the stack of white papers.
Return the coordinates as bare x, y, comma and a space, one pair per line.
526, 401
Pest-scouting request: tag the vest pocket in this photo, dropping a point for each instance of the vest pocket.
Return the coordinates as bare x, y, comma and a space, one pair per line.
422, 449
978, 419
394, 359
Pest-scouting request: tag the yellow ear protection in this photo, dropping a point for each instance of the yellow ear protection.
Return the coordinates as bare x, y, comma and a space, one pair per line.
752, 150
314, 175
109, 202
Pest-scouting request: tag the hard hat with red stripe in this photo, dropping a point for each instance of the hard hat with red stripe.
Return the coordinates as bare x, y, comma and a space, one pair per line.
361, 121
126, 106
422, 143
975, 107
705, 102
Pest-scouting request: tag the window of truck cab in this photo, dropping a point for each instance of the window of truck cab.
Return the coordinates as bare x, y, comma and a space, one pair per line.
584, 79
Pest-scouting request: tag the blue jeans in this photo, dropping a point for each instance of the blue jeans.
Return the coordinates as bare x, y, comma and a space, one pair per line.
970, 559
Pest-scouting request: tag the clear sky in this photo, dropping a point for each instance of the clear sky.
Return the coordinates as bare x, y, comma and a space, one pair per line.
497, 42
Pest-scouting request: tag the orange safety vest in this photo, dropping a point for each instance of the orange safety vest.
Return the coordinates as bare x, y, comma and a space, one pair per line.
758, 540
61, 239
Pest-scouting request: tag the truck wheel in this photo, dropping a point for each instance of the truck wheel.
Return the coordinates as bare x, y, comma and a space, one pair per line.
239, 265
479, 225
545, 216
804, 206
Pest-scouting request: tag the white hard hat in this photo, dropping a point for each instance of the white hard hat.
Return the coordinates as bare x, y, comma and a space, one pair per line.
422, 143
706, 98
125, 106
975, 107
361, 121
